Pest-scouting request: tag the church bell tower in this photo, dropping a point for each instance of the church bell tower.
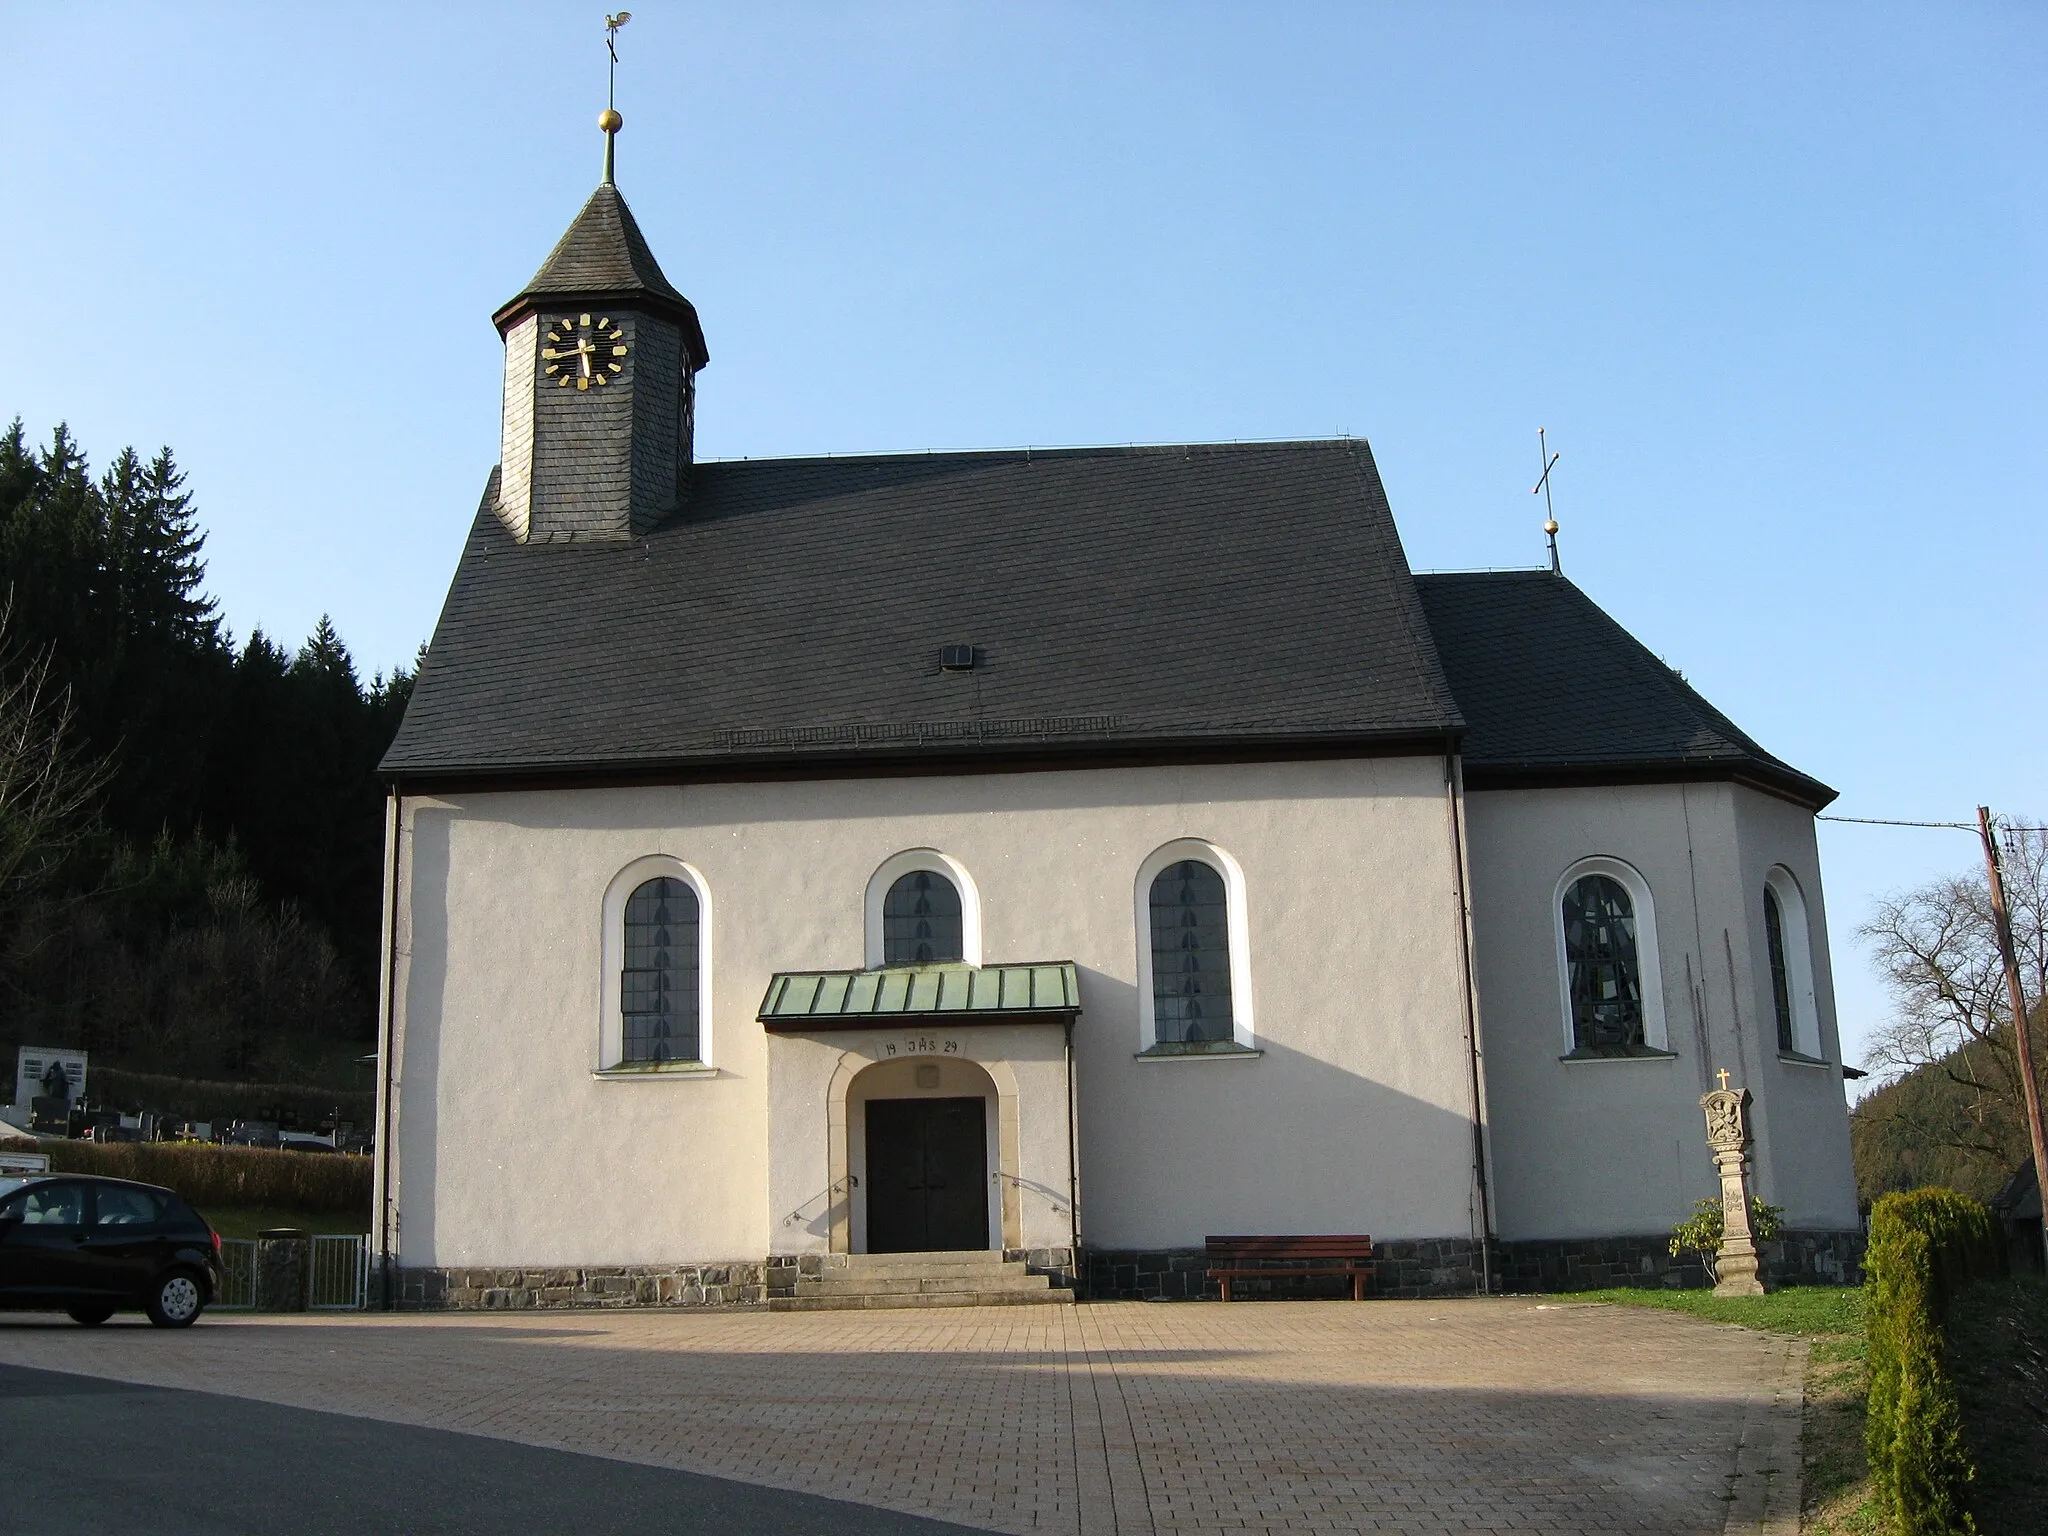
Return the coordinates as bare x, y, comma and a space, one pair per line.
601, 360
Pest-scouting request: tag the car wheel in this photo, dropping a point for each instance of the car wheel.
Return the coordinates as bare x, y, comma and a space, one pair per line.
89, 1317
177, 1300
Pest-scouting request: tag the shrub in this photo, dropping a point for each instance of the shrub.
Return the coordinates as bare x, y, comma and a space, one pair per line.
1924, 1246
1701, 1232
226, 1176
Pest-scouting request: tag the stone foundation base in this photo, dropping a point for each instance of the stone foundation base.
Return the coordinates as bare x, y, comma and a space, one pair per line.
1450, 1266
623, 1285
1597, 1263
1408, 1268
1815, 1258
1056, 1264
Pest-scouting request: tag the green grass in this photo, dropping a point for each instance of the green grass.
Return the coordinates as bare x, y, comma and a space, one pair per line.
1830, 1315
248, 1220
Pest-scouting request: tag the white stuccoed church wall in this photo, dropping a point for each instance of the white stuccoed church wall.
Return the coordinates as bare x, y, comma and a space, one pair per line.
1612, 1148
508, 1151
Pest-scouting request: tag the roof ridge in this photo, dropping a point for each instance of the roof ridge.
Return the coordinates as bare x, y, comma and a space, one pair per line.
1414, 622
1036, 450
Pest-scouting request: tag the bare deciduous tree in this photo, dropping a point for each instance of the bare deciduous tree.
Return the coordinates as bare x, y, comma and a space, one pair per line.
1938, 948
47, 786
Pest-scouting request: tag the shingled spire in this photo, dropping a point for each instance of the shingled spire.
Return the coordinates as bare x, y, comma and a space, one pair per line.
603, 258
601, 357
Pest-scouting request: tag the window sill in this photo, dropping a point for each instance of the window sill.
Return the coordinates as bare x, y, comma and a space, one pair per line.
1577, 1058
648, 1071
1199, 1050
1800, 1059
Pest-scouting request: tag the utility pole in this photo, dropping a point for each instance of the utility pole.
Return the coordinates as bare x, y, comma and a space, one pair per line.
2030, 1085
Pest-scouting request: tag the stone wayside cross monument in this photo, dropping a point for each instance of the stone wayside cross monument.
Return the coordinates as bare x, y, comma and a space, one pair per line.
1736, 1270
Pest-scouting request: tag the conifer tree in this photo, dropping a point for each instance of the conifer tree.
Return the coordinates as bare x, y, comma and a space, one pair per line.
243, 833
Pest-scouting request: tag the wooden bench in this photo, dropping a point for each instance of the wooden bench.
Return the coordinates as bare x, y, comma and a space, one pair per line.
1252, 1258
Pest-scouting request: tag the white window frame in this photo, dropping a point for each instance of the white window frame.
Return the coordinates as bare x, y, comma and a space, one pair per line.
1798, 931
611, 1021
1237, 926
909, 862
1631, 880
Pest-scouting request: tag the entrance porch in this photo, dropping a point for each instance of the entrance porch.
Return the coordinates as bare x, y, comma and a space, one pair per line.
926, 1112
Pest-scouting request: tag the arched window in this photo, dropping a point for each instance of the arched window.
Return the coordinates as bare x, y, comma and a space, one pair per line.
921, 920
1606, 974
1607, 956
1789, 954
1190, 953
658, 992
1781, 980
933, 920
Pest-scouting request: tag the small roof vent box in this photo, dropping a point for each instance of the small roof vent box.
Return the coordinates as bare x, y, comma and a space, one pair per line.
956, 658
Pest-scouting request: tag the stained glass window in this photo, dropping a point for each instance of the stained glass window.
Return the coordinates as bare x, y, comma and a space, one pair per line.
1781, 980
921, 921
658, 985
1605, 972
1190, 953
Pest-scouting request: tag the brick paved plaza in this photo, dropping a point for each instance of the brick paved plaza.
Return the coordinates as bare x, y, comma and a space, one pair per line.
1419, 1417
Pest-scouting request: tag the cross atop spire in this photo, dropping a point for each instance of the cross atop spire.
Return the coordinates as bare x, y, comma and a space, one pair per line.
609, 119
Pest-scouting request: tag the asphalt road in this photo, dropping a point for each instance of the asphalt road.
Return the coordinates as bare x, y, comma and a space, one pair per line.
84, 1456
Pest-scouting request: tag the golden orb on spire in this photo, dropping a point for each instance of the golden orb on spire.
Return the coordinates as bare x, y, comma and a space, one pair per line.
610, 121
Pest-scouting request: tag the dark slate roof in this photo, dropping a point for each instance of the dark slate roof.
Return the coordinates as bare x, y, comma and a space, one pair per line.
603, 256
1115, 598
1547, 681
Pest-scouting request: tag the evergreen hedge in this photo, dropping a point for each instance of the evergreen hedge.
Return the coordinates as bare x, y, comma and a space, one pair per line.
1924, 1246
211, 1176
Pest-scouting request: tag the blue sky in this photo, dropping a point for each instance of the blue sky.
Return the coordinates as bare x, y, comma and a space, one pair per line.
1771, 275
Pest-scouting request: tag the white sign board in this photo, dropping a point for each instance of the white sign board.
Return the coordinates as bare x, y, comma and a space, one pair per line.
19, 1163
33, 1067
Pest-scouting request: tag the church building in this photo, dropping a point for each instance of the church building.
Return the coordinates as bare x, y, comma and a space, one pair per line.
986, 876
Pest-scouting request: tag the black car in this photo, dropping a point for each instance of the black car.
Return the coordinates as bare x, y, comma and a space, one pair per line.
92, 1247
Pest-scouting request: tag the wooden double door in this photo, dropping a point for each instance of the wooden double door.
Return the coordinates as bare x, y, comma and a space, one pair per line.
927, 1175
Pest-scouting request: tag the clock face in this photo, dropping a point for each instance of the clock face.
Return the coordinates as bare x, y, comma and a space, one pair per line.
584, 351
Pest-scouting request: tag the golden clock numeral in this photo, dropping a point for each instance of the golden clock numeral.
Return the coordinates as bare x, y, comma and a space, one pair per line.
563, 382
584, 320
618, 351
583, 383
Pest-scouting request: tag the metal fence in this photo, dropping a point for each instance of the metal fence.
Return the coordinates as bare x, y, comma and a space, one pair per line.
341, 1274
237, 1275
340, 1279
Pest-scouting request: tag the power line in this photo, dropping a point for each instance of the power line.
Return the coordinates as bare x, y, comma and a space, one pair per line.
1877, 821
1954, 826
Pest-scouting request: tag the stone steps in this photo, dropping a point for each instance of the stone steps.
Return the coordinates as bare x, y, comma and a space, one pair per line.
843, 1302
863, 1282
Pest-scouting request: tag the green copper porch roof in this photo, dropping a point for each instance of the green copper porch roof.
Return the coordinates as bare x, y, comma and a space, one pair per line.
839, 999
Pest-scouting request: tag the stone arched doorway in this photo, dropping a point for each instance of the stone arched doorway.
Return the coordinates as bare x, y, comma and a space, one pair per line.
923, 1141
